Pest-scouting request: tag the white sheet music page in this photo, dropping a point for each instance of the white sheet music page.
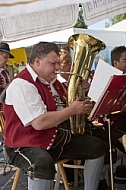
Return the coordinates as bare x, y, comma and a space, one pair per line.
101, 77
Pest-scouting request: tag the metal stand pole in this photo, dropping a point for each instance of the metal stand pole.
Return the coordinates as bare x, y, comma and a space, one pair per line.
110, 150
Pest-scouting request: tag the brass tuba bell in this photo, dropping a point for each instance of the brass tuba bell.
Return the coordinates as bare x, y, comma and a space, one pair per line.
85, 48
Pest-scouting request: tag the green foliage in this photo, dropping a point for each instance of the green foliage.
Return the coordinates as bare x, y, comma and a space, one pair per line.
81, 24
80, 21
115, 20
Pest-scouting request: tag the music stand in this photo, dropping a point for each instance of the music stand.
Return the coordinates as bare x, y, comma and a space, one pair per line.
111, 101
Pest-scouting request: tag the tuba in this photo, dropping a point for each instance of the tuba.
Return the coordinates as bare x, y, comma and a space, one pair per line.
85, 48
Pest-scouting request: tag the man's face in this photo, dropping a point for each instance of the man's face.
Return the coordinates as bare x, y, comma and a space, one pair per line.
65, 63
3, 58
46, 67
121, 63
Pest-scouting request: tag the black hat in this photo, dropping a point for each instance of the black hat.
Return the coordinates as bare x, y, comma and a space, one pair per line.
5, 47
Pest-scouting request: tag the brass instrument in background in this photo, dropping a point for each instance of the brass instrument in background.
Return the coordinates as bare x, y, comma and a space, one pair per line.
85, 48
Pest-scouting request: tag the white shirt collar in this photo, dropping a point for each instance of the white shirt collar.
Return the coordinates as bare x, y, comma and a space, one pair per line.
32, 72
61, 79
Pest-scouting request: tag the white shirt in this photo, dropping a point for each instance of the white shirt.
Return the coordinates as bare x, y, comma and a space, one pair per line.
20, 93
61, 79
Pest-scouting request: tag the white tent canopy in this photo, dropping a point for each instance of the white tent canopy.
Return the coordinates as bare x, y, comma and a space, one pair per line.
28, 18
120, 26
110, 38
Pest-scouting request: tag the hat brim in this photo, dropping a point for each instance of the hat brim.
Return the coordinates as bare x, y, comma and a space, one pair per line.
10, 55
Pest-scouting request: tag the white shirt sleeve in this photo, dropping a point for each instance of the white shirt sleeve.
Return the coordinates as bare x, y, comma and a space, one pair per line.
25, 99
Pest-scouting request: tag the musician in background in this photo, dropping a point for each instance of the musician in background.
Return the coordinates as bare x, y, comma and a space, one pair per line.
118, 60
65, 66
35, 134
118, 56
4, 75
4, 56
118, 121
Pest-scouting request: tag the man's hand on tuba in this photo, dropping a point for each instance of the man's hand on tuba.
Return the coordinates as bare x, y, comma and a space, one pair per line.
81, 107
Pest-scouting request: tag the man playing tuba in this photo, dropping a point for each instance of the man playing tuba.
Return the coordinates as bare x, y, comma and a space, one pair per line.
33, 137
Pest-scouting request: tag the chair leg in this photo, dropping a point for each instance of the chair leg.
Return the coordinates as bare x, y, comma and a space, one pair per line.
64, 178
16, 178
75, 174
57, 182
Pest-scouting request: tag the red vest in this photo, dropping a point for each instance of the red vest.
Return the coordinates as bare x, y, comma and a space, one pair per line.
4, 77
16, 135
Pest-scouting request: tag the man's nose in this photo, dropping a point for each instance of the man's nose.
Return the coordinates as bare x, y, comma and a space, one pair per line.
57, 66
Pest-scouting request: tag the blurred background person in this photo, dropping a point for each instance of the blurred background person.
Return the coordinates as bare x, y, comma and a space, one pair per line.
4, 75
65, 66
118, 121
118, 58
4, 56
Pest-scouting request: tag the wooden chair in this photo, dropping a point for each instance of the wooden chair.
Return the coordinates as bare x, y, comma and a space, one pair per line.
60, 174
76, 166
16, 178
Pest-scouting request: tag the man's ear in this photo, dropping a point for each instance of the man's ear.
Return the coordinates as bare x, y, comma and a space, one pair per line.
37, 61
115, 63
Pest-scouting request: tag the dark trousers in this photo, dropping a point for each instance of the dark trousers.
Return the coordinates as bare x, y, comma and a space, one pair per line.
104, 135
39, 163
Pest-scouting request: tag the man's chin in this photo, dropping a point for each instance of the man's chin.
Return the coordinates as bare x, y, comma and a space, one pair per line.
53, 80
53, 77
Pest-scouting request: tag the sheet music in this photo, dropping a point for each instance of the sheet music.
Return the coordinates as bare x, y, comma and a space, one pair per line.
101, 77
112, 99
